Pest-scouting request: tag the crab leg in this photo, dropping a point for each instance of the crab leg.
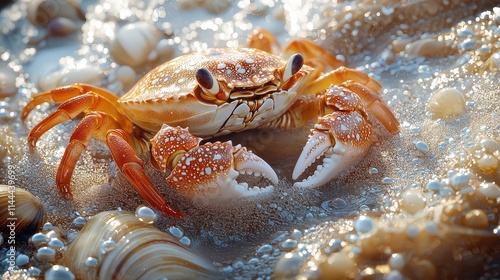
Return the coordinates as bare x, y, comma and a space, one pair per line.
340, 75
62, 94
72, 108
314, 55
207, 172
120, 144
94, 124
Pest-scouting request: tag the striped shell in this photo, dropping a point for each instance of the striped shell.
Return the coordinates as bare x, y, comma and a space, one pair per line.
139, 251
27, 213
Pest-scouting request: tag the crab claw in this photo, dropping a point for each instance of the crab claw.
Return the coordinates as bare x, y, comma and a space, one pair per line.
208, 173
342, 138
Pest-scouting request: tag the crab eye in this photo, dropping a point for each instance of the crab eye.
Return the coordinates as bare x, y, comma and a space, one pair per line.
293, 66
207, 81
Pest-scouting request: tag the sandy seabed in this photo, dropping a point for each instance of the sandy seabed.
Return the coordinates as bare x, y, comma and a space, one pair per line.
423, 204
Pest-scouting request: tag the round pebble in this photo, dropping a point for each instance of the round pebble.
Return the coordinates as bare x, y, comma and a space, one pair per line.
47, 226
413, 231
396, 261
363, 224
460, 180
145, 214
447, 103
264, 249
58, 272
412, 201
476, 219
394, 275
91, 262
185, 241
56, 244
176, 232
422, 146
22, 260
79, 222
434, 185
46, 254
288, 244
39, 239
34, 271
490, 190
287, 266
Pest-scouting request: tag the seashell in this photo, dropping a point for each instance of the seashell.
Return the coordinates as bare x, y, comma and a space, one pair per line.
27, 212
84, 74
134, 250
428, 48
134, 42
447, 103
40, 12
7, 82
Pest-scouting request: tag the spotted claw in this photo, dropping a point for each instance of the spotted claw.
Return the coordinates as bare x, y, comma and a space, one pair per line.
207, 173
342, 138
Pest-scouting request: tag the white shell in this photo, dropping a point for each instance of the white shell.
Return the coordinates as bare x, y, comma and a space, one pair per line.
85, 74
134, 42
140, 251
40, 12
447, 103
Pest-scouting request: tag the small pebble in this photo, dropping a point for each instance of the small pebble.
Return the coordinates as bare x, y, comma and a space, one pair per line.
56, 244
22, 260
396, 261
412, 201
46, 254
422, 146
287, 266
288, 244
58, 272
145, 214
490, 190
264, 249
91, 262
476, 219
433, 185
34, 271
176, 232
79, 222
39, 239
363, 224
460, 180
185, 241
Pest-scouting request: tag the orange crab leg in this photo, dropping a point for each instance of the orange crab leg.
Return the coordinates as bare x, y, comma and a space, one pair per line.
72, 108
62, 94
340, 75
263, 40
314, 55
372, 101
94, 124
120, 145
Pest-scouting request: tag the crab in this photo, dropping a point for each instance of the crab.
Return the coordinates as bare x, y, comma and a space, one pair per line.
216, 92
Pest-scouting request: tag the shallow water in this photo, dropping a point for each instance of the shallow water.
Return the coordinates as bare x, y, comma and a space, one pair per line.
414, 49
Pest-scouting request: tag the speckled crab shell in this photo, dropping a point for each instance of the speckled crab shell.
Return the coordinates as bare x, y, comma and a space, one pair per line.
166, 94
